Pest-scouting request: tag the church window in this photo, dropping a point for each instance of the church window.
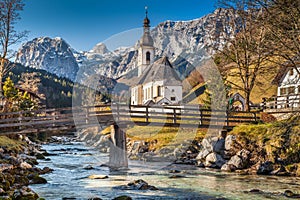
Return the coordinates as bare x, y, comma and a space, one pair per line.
159, 91
173, 98
148, 57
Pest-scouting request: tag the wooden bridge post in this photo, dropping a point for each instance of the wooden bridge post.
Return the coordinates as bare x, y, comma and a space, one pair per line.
87, 116
227, 118
255, 117
147, 114
174, 116
201, 116
264, 103
20, 120
118, 112
118, 149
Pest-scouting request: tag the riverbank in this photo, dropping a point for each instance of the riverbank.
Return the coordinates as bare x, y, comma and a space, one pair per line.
263, 149
79, 173
172, 166
18, 160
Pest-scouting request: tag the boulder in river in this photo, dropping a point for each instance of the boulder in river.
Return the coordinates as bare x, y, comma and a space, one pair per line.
124, 197
265, 168
290, 194
36, 179
98, 176
137, 185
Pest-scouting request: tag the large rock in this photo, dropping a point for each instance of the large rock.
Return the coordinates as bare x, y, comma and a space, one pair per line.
214, 160
244, 154
25, 193
211, 153
38, 180
202, 154
137, 185
228, 168
219, 146
5, 167
229, 141
214, 144
236, 161
265, 168
124, 197
240, 160
25, 165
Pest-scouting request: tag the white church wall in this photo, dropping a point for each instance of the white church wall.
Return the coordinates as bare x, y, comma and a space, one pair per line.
172, 92
134, 96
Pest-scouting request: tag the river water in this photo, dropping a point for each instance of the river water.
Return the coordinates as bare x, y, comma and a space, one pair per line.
70, 179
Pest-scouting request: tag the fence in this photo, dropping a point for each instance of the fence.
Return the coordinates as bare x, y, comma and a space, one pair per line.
282, 102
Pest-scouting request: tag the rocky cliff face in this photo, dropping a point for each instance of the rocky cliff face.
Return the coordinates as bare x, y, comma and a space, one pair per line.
52, 55
184, 42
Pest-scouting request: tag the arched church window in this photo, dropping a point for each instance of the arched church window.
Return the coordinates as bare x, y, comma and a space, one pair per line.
148, 56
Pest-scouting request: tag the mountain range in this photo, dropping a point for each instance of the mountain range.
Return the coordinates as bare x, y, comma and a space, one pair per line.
184, 42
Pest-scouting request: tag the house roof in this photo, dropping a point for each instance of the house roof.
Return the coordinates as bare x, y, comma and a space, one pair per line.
161, 70
283, 71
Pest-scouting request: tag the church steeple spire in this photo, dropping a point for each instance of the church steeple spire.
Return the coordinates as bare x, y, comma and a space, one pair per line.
146, 50
146, 20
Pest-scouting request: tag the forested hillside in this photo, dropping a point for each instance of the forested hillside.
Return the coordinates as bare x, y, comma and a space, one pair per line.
54, 91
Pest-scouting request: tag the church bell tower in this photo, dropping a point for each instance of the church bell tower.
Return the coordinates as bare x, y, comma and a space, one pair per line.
146, 49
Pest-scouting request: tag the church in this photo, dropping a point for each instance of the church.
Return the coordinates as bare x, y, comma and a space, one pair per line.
158, 83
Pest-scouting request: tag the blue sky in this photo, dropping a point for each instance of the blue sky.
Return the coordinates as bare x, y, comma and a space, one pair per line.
84, 23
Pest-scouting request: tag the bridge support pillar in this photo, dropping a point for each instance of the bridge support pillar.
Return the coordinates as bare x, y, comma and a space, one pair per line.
118, 150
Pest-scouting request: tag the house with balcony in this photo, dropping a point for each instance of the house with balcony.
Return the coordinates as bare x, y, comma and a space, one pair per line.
288, 89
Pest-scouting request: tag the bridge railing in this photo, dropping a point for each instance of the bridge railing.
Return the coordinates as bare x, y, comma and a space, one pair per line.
69, 118
181, 116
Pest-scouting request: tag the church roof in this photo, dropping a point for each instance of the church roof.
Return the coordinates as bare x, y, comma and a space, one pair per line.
161, 70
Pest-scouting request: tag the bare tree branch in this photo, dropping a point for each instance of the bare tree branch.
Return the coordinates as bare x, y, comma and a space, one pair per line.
9, 15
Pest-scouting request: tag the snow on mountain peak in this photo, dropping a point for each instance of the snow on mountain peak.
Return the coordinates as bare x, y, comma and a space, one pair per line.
100, 48
173, 38
52, 55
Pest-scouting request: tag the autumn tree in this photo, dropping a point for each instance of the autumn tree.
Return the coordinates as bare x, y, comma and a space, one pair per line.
9, 16
282, 19
17, 100
30, 81
243, 57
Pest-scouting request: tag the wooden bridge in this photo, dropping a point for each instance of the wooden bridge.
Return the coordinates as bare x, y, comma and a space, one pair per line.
67, 119
119, 116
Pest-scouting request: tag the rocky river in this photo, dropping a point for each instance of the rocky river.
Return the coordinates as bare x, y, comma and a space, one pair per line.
80, 173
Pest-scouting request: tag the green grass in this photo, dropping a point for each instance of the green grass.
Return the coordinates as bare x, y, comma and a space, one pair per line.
10, 144
159, 137
278, 139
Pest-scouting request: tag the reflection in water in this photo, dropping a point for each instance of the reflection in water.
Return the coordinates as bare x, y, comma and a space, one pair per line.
70, 179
